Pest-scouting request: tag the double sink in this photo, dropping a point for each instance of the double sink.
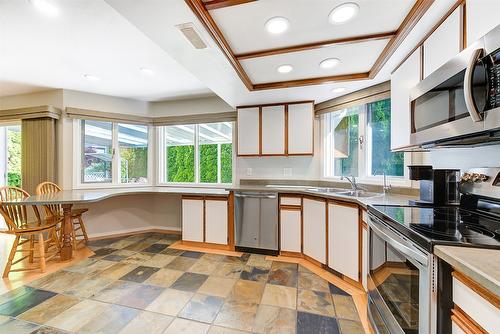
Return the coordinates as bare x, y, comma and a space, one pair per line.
330, 190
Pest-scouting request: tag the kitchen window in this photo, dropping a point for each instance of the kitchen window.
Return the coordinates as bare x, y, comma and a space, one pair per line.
114, 153
196, 153
357, 142
10, 151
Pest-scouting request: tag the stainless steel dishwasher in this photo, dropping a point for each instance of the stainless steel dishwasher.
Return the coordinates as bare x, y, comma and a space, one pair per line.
256, 222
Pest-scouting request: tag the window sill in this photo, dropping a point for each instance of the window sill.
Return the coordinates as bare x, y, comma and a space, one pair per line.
196, 185
85, 186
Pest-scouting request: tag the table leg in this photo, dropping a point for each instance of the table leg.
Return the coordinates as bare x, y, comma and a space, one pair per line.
67, 231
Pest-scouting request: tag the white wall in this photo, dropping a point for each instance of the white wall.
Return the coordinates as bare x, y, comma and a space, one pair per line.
48, 97
303, 168
204, 105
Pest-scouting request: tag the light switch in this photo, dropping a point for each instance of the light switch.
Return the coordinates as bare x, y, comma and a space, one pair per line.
249, 171
287, 172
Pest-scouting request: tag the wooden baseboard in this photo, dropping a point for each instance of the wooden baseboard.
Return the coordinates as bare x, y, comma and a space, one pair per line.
206, 245
291, 254
201, 247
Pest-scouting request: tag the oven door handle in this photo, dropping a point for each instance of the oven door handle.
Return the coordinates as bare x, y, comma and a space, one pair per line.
397, 241
468, 86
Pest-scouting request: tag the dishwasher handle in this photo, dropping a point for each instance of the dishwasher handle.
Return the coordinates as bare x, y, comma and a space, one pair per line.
269, 196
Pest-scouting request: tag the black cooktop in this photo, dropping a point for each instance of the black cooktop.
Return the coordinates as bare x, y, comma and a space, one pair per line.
429, 226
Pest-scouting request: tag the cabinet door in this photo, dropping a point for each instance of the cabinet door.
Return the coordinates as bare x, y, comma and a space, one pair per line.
192, 220
443, 44
216, 221
314, 217
343, 240
248, 131
402, 81
273, 130
482, 16
290, 230
300, 128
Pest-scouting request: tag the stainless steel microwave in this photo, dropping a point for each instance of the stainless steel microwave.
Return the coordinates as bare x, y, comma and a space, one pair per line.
459, 103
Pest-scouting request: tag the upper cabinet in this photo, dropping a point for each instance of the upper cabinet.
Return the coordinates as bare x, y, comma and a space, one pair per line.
248, 131
444, 43
402, 81
273, 130
482, 16
276, 130
300, 128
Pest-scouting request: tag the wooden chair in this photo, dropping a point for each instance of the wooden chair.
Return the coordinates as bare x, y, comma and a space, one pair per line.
56, 210
16, 217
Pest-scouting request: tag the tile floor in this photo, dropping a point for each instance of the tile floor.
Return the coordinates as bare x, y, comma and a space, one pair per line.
137, 284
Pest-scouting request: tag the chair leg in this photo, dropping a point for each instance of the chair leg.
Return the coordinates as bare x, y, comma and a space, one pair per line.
11, 257
41, 248
84, 231
32, 246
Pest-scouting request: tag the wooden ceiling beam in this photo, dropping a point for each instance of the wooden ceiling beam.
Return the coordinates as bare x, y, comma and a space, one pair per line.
316, 45
216, 4
311, 81
416, 12
198, 7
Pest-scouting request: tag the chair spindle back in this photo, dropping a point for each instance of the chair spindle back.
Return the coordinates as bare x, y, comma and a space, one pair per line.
50, 188
16, 216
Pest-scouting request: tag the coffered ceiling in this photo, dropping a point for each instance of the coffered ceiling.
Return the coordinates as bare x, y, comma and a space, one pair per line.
362, 44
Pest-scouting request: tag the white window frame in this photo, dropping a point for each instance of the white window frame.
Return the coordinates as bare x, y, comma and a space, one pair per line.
3, 141
161, 168
115, 172
364, 155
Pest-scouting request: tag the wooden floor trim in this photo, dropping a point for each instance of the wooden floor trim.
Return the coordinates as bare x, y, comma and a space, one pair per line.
185, 247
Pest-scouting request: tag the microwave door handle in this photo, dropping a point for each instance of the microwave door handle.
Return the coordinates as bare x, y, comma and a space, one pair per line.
468, 86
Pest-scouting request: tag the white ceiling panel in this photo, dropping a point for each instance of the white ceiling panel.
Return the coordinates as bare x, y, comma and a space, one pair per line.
86, 37
355, 58
244, 25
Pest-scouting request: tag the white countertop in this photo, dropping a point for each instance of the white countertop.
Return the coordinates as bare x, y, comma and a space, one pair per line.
480, 264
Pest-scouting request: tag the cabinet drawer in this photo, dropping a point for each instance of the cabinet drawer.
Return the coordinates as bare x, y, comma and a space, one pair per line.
290, 201
474, 305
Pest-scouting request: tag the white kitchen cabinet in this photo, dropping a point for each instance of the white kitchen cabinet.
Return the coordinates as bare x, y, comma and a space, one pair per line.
482, 16
477, 308
343, 239
290, 235
300, 128
273, 130
314, 220
192, 219
248, 131
402, 81
443, 43
216, 221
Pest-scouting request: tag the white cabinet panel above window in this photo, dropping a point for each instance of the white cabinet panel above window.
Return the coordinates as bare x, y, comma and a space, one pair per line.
300, 128
273, 130
248, 131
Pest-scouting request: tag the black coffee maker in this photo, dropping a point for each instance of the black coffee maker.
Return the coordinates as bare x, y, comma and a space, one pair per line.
437, 186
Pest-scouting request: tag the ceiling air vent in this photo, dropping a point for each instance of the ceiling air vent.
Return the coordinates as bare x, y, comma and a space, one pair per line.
188, 30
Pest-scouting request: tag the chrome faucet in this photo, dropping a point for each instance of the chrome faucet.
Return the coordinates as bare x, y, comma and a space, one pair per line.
386, 187
352, 181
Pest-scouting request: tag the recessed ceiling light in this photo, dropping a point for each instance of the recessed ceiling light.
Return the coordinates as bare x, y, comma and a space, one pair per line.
46, 7
147, 71
285, 68
343, 13
277, 25
329, 63
338, 90
91, 77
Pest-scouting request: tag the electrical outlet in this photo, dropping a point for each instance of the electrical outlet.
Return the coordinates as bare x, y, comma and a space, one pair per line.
249, 171
287, 172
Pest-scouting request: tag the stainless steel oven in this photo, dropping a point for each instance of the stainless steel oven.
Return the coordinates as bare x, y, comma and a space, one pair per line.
401, 283
459, 103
